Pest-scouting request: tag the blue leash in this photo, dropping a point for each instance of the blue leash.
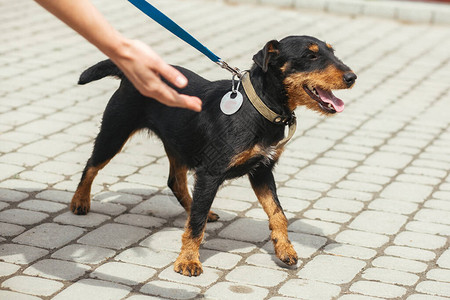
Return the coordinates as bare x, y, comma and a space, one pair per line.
173, 27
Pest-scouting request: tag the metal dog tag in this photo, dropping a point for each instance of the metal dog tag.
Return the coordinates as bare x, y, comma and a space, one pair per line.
231, 102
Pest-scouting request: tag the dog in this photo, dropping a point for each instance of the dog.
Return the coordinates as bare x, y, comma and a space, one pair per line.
295, 71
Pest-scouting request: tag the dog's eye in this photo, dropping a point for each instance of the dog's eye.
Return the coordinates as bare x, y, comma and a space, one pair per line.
311, 56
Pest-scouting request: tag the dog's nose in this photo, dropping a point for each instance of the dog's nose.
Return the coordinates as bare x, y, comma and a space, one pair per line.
350, 78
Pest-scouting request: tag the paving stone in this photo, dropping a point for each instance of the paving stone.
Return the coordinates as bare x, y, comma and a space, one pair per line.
123, 273
93, 289
378, 222
20, 254
7, 295
227, 290
115, 236
425, 297
420, 240
304, 244
308, 289
32, 285
119, 198
217, 259
350, 251
323, 215
331, 269
249, 230
357, 297
406, 192
314, 227
57, 269
170, 290
388, 160
359, 238
111, 209
140, 220
439, 275
84, 254
295, 193
431, 228
269, 261
147, 257
42, 206
7, 269
444, 260
434, 288
168, 239
393, 206
377, 289
208, 277
322, 173
260, 276
89, 220
350, 195
49, 235
340, 205
142, 297
434, 216
390, 276
229, 246
57, 196
400, 264
229, 204
161, 206
21, 216
410, 253
10, 229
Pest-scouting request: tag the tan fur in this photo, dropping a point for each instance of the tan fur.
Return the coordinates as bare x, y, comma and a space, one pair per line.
314, 47
270, 152
188, 262
328, 79
278, 224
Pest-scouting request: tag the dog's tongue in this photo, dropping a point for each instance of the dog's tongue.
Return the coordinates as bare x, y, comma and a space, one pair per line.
328, 97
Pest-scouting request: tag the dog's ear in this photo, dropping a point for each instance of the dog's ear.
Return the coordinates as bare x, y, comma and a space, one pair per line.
263, 57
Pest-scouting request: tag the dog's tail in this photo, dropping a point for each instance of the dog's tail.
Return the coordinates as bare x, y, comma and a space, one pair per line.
100, 70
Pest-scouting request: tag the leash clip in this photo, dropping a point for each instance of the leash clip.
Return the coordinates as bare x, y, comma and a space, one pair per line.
234, 71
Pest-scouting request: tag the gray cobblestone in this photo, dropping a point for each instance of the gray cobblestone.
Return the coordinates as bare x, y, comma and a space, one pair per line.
378, 289
83, 254
49, 235
57, 269
170, 290
123, 273
308, 289
331, 269
91, 288
369, 187
115, 236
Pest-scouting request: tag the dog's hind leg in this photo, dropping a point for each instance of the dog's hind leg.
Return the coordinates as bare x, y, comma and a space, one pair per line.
263, 184
115, 130
177, 182
188, 262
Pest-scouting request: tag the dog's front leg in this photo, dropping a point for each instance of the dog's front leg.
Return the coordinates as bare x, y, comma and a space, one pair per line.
188, 262
264, 186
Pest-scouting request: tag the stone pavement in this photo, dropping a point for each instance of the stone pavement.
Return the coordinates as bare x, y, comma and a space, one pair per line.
367, 192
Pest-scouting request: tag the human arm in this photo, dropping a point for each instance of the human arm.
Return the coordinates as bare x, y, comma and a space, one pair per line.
138, 61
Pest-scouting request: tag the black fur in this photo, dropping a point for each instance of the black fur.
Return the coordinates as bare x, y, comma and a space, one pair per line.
208, 141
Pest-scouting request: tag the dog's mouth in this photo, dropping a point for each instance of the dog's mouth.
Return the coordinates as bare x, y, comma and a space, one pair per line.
326, 100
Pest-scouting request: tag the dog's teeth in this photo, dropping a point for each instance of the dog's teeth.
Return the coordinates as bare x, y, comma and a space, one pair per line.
330, 106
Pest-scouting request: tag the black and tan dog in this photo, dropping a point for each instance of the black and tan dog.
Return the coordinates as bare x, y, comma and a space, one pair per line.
298, 70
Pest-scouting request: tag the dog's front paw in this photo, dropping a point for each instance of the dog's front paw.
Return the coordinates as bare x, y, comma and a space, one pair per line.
79, 207
188, 267
286, 253
212, 216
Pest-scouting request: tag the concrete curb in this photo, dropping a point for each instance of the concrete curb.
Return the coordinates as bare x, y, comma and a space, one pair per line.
413, 12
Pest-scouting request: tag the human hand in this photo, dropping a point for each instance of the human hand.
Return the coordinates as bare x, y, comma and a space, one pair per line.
143, 68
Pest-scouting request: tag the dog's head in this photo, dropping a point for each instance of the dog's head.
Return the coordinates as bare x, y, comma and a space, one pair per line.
309, 71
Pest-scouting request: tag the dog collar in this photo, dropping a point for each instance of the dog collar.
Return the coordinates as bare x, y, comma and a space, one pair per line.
267, 113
